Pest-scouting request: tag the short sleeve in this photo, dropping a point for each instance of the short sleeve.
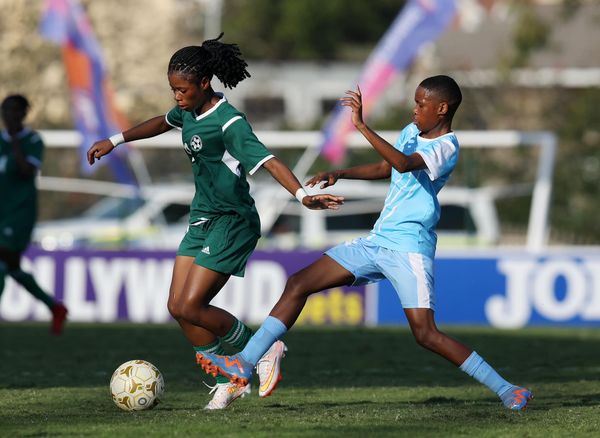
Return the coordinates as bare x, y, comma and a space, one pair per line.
242, 144
175, 117
35, 151
409, 131
440, 157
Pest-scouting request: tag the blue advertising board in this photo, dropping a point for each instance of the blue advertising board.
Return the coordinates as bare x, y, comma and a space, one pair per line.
505, 289
509, 290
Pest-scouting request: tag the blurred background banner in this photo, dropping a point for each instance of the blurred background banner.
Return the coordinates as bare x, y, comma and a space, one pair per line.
518, 237
94, 113
110, 286
418, 23
501, 288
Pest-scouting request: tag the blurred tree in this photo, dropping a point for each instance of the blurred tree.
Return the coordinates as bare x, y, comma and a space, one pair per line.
308, 29
530, 33
577, 174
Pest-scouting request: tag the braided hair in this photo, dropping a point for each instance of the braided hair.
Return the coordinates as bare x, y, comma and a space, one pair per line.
211, 58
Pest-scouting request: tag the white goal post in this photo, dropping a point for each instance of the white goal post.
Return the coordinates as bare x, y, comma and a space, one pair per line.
309, 141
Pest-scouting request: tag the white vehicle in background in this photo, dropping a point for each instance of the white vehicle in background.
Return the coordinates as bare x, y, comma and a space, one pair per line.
469, 216
155, 217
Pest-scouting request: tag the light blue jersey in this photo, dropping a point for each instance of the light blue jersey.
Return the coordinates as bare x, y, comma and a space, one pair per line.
411, 211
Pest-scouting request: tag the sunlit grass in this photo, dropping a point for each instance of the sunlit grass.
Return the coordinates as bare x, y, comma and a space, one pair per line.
337, 382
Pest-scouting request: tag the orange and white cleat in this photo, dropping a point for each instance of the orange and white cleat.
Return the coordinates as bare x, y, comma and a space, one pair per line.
225, 394
268, 368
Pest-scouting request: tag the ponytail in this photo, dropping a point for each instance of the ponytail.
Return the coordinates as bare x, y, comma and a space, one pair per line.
213, 57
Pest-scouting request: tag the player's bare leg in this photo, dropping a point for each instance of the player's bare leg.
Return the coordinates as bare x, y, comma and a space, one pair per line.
202, 339
323, 274
427, 335
196, 334
192, 289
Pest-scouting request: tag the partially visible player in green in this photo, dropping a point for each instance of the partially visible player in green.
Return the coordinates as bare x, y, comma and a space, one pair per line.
224, 225
21, 152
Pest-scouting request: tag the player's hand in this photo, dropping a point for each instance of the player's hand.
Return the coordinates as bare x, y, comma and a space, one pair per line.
322, 202
329, 178
99, 149
353, 100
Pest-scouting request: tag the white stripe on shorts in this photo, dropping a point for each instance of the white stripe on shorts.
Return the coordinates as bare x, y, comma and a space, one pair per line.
423, 292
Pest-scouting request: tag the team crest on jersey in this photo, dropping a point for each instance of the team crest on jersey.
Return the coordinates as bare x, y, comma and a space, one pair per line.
196, 143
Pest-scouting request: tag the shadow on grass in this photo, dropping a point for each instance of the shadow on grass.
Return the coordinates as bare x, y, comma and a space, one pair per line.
87, 354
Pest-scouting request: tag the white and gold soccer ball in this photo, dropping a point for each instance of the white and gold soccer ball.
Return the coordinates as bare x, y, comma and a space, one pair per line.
136, 385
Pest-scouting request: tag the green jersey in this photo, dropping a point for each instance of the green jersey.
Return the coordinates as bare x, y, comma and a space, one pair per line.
222, 148
18, 193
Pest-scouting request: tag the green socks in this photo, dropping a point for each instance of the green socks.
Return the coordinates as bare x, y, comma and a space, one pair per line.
238, 336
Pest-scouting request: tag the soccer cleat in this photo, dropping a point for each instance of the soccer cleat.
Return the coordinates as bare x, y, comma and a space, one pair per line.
59, 316
268, 368
516, 398
236, 369
225, 394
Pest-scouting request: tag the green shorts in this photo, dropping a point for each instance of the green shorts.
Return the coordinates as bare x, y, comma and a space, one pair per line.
222, 244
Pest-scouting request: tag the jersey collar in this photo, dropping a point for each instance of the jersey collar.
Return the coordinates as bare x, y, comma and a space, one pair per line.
434, 139
21, 134
214, 108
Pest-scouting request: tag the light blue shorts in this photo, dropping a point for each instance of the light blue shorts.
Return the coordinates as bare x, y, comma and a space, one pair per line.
410, 273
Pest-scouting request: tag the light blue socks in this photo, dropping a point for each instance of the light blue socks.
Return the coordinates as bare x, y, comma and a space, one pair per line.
270, 330
481, 371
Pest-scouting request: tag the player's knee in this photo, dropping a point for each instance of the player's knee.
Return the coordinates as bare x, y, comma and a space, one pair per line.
178, 307
174, 309
185, 314
425, 336
192, 311
296, 286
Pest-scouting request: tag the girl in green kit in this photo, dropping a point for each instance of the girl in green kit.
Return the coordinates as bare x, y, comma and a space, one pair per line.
21, 152
224, 225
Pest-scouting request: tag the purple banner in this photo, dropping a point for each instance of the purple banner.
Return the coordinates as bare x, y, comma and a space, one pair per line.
108, 286
419, 22
96, 117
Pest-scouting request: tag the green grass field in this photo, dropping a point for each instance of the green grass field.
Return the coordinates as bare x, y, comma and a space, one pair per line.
337, 382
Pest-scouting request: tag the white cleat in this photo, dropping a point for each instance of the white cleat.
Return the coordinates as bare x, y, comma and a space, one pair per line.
225, 394
268, 368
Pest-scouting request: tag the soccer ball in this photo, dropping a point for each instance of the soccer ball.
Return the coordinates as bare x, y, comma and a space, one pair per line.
136, 385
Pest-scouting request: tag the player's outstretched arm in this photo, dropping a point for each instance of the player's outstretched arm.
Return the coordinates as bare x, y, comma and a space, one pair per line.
147, 129
398, 160
284, 176
372, 171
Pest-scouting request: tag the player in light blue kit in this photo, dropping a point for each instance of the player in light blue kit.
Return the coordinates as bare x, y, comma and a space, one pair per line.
400, 247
